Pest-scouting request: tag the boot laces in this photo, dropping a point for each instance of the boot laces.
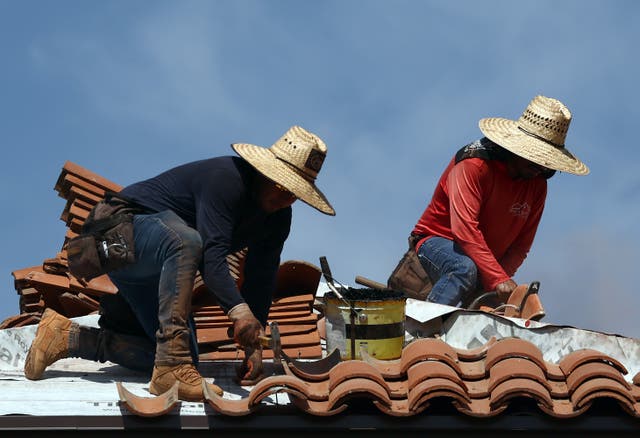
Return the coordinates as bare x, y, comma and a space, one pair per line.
188, 374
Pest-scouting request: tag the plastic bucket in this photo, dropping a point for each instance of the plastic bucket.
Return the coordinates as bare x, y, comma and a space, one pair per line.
370, 319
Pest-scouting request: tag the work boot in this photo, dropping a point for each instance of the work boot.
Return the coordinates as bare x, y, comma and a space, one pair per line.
50, 344
190, 388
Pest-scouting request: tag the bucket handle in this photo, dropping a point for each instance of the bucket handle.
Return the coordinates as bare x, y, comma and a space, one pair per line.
326, 272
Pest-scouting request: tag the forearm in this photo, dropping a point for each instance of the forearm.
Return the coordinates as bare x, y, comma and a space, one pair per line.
260, 274
490, 271
217, 277
512, 260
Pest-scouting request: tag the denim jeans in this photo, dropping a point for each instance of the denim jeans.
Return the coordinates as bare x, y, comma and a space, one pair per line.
159, 285
120, 339
454, 274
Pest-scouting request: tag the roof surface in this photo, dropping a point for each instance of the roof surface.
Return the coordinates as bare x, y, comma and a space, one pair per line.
472, 371
507, 382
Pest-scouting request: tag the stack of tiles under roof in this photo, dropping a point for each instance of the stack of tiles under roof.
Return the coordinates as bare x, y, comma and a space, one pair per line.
50, 284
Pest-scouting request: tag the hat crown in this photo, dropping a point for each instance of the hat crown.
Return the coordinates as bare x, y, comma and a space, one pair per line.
302, 150
547, 119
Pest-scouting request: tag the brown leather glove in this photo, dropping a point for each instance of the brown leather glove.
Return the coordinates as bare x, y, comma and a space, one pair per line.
246, 328
251, 370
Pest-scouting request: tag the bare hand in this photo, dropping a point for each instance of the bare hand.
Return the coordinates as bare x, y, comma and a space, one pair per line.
504, 289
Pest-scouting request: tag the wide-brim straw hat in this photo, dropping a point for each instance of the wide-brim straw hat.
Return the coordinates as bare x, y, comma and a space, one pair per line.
293, 162
538, 135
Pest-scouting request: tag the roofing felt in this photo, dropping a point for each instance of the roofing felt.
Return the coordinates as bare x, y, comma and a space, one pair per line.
432, 382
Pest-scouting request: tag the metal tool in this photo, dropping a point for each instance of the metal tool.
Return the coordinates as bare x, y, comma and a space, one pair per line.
326, 272
272, 342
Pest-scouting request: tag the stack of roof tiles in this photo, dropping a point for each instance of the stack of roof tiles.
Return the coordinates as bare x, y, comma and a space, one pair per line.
52, 285
481, 382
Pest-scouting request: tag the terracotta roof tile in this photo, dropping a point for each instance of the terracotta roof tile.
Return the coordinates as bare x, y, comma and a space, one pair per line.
591, 370
514, 375
520, 387
516, 367
579, 357
312, 371
432, 369
357, 387
287, 384
225, 406
603, 387
436, 387
351, 369
481, 382
149, 406
319, 408
525, 303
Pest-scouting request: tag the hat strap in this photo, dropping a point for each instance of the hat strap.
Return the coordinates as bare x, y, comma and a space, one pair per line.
297, 170
531, 134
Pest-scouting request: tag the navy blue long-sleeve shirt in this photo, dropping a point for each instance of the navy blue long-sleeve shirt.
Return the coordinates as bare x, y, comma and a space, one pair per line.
217, 197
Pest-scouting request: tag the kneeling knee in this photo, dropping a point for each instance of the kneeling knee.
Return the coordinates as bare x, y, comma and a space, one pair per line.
468, 272
192, 241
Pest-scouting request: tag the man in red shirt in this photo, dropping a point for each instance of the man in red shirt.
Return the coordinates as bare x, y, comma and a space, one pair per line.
483, 216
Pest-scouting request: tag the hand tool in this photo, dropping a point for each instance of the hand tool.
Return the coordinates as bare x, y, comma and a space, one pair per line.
272, 342
326, 272
370, 283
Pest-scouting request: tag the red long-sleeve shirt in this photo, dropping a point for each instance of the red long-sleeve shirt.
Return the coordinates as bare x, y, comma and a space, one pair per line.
493, 217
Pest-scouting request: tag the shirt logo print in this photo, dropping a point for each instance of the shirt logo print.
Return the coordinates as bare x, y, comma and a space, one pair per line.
521, 210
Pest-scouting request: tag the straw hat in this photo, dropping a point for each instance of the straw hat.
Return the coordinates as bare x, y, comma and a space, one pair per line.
293, 162
538, 135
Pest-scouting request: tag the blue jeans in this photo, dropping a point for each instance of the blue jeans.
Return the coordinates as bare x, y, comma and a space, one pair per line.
159, 285
454, 274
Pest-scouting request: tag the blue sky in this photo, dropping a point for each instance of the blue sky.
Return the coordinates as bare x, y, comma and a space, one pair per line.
128, 89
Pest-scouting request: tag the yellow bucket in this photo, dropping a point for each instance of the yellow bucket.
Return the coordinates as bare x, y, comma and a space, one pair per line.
370, 319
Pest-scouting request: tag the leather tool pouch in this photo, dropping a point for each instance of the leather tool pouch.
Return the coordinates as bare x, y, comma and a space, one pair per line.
106, 241
409, 276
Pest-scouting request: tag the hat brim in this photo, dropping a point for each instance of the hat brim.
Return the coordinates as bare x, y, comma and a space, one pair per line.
265, 162
506, 133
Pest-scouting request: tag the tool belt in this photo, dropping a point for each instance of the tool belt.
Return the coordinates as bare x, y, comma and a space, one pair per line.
409, 276
106, 240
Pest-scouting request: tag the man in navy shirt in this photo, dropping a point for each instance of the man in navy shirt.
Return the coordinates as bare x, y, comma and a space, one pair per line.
199, 213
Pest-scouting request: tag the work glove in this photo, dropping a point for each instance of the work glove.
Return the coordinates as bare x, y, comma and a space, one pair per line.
246, 328
251, 371
504, 289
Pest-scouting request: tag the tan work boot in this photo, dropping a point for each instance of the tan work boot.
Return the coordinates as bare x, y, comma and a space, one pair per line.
50, 344
190, 388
